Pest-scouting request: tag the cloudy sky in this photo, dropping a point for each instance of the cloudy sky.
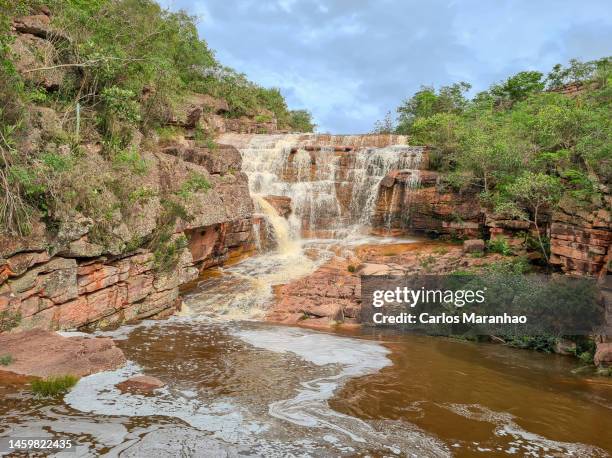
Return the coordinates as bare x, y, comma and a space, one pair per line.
351, 61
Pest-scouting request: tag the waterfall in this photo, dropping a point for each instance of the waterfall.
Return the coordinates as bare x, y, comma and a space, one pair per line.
332, 180
371, 166
282, 233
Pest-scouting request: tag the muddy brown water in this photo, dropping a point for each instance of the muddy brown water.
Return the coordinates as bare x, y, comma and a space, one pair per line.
269, 390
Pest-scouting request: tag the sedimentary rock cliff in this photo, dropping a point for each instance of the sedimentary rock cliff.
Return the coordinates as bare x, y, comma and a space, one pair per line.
157, 214
65, 280
418, 201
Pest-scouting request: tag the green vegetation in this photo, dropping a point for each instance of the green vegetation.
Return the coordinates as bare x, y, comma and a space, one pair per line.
523, 144
195, 183
5, 360
127, 65
499, 245
53, 386
301, 121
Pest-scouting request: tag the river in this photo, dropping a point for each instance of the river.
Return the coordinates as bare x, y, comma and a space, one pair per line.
274, 390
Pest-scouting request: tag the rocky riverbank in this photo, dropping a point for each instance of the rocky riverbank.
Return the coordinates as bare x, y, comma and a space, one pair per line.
331, 295
42, 353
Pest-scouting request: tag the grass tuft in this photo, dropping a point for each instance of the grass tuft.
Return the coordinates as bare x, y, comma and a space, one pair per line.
54, 386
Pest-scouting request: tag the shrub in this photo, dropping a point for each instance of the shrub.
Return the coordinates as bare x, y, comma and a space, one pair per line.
5, 360
53, 386
539, 343
499, 245
511, 266
168, 252
427, 262
131, 159
195, 183
351, 268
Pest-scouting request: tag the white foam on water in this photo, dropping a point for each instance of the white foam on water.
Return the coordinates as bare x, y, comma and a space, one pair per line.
520, 440
98, 394
309, 407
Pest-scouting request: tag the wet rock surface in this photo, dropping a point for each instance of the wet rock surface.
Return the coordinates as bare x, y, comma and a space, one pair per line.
43, 353
141, 384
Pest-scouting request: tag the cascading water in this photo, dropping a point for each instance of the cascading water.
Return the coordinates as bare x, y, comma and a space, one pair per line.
282, 232
332, 181
371, 166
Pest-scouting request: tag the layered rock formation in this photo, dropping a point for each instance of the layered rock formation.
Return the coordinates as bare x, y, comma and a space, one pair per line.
416, 202
210, 114
581, 241
66, 281
172, 208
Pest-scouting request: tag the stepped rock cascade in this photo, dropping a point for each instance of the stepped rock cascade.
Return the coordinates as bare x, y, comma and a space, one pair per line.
332, 180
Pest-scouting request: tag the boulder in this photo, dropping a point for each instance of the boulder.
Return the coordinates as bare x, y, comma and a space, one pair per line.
33, 53
45, 353
603, 354
141, 384
38, 25
473, 246
220, 160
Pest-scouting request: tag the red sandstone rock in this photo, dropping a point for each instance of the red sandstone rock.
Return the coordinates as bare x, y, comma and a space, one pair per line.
603, 355
44, 353
141, 384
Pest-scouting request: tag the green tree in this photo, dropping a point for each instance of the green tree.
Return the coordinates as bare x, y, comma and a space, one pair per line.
528, 196
519, 86
426, 103
301, 121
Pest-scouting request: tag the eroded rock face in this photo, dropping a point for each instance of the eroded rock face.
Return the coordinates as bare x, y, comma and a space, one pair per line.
409, 203
36, 60
43, 353
331, 293
581, 240
64, 280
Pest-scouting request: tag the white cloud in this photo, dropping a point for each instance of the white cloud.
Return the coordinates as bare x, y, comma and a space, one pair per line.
350, 61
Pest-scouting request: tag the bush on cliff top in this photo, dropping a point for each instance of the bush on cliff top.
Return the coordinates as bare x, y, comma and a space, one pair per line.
126, 63
524, 144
